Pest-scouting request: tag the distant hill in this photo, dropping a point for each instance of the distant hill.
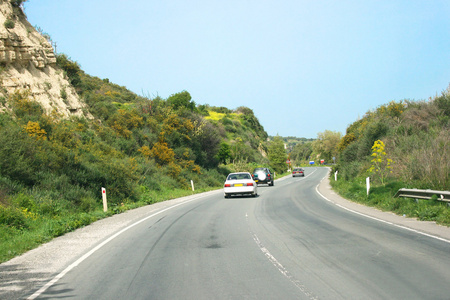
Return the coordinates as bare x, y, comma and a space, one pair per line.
292, 141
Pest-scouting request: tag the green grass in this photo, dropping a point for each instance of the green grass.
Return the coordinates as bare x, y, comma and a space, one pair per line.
382, 197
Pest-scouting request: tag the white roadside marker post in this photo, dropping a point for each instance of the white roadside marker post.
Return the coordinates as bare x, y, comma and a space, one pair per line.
192, 185
368, 185
105, 203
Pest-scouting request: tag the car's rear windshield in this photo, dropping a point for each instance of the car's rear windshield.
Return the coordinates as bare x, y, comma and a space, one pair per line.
238, 176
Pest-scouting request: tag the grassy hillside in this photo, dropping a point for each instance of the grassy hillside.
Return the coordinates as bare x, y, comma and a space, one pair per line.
402, 144
141, 150
244, 136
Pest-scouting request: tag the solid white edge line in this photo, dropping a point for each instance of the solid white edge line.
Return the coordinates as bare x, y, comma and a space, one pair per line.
380, 220
92, 251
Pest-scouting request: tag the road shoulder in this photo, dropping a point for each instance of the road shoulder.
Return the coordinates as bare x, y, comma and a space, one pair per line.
425, 227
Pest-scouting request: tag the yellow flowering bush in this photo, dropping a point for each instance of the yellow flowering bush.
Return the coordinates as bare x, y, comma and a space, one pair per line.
162, 153
381, 164
33, 129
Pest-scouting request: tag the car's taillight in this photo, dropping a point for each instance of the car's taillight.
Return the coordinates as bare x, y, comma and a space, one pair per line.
227, 185
250, 184
268, 175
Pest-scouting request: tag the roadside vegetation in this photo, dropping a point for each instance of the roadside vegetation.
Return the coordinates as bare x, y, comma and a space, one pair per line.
141, 149
401, 144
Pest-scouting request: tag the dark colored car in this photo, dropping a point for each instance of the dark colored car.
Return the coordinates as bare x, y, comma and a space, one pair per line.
298, 172
263, 175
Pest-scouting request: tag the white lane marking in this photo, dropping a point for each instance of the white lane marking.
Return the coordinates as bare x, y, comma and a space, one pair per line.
84, 257
282, 269
380, 220
279, 266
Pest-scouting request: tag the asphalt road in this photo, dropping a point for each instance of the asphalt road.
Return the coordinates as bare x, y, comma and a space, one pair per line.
293, 241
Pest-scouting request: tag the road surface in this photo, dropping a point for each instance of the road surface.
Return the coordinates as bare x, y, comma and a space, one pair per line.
291, 242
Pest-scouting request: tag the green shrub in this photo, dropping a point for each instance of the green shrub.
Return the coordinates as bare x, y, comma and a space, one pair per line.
126, 145
351, 170
9, 24
444, 217
26, 201
9, 187
25, 108
11, 216
226, 121
55, 227
181, 100
89, 204
47, 206
222, 110
426, 211
350, 153
18, 155
63, 94
71, 68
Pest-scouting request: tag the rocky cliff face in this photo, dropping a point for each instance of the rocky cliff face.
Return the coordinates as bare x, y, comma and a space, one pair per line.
28, 63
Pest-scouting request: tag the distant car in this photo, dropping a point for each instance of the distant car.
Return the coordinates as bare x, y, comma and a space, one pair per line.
263, 175
298, 172
240, 183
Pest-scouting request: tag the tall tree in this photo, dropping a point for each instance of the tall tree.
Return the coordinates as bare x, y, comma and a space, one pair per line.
301, 152
224, 153
181, 100
277, 155
326, 144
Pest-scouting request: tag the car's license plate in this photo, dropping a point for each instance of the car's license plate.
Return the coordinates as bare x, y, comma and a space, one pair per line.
256, 180
238, 184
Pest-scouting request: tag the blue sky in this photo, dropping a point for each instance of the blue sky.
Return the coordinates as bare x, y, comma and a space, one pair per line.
302, 66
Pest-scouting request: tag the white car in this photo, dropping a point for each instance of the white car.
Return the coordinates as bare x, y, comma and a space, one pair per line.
240, 183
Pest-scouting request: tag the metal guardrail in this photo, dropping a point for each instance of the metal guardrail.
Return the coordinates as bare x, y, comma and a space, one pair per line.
424, 194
